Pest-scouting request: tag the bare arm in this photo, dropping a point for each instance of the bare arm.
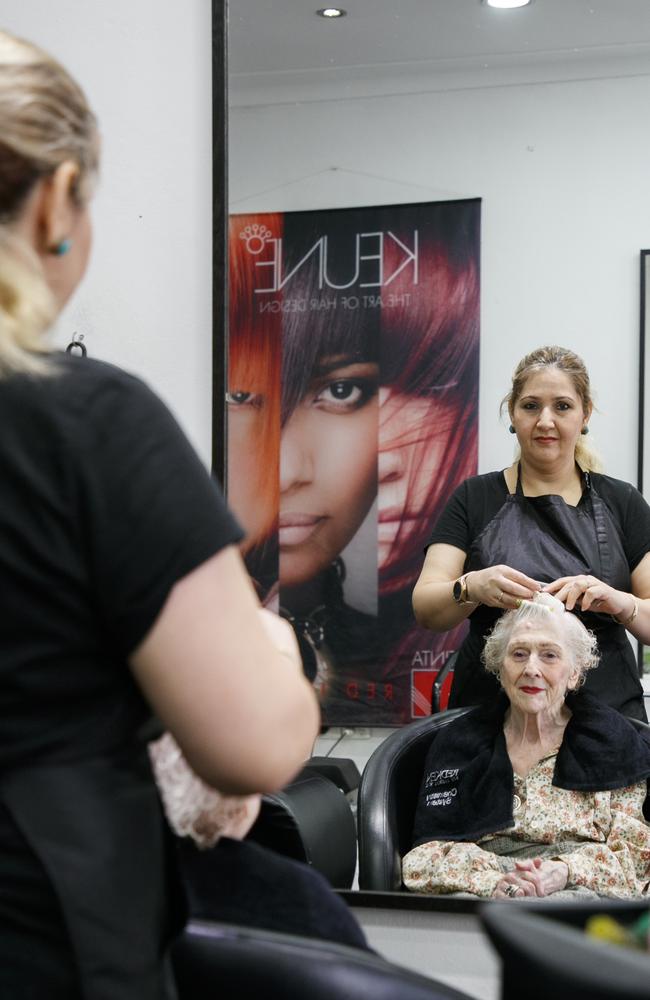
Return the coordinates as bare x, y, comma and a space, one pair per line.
590, 594
433, 603
497, 586
240, 708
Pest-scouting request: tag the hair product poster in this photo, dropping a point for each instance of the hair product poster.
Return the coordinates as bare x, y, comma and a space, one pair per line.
352, 416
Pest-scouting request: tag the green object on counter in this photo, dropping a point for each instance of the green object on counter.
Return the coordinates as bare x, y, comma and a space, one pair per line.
641, 930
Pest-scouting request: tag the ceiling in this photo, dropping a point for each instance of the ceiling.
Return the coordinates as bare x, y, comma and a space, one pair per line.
273, 42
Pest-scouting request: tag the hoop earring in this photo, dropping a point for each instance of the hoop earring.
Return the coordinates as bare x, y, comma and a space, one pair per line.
511, 429
61, 248
77, 343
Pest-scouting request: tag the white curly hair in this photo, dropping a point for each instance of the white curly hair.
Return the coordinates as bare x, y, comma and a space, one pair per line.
580, 643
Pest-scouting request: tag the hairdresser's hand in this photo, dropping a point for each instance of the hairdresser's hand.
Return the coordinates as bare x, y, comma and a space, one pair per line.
501, 587
590, 594
282, 636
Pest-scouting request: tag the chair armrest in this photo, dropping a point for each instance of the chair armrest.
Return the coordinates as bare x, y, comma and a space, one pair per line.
341, 770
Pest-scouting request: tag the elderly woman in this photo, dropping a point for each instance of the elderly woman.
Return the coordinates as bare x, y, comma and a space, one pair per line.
542, 792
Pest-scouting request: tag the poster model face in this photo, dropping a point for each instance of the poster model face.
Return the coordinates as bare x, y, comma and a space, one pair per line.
352, 416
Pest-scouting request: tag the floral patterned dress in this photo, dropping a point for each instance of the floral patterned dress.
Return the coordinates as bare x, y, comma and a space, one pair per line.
602, 836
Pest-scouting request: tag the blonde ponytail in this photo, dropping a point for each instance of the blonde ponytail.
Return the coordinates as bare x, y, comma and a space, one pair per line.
27, 308
587, 457
44, 121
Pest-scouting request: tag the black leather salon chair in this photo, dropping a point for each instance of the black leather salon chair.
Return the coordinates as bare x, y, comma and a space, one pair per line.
235, 963
387, 800
311, 820
545, 952
341, 770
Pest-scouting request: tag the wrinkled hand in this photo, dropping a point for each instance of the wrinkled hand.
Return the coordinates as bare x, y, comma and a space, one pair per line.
512, 887
590, 594
501, 587
532, 877
545, 877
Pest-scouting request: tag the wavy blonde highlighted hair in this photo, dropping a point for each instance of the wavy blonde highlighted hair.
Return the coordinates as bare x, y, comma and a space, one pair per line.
45, 120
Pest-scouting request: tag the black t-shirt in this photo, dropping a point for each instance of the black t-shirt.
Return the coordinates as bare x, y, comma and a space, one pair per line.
478, 499
104, 505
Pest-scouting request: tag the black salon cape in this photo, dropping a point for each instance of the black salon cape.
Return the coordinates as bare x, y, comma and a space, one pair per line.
468, 784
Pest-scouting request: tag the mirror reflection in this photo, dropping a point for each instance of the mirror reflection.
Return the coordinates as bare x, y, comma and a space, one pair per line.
536, 112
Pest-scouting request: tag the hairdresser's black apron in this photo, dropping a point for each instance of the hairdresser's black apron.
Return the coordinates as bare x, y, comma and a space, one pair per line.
546, 538
96, 827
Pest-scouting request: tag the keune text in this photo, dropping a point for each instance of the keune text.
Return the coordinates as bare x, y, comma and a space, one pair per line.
366, 262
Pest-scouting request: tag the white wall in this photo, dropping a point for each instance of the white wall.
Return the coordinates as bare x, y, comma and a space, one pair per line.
562, 169
146, 301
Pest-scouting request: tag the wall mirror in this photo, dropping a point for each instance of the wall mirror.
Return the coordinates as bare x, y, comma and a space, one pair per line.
644, 403
428, 101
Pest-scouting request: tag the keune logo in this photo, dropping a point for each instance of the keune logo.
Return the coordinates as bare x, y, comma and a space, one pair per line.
367, 255
255, 237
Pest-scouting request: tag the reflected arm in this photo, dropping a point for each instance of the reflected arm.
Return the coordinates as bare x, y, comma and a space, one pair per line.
640, 627
629, 609
433, 602
441, 867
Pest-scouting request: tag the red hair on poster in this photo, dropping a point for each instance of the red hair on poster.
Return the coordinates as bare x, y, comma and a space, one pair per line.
428, 431
253, 402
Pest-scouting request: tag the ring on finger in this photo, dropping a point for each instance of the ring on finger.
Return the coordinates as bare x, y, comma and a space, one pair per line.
511, 890
500, 597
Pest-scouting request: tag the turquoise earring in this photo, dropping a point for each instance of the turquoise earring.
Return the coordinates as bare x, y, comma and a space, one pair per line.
511, 429
61, 248
585, 430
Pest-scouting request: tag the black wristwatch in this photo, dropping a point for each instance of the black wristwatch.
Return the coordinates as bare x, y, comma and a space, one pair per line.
460, 590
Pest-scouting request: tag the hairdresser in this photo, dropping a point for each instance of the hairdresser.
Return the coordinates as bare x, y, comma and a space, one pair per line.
123, 597
551, 521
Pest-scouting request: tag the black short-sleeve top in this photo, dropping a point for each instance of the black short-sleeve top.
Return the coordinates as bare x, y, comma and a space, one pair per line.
104, 505
478, 499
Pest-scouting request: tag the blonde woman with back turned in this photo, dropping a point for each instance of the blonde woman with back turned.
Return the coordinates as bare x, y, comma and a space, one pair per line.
123, 594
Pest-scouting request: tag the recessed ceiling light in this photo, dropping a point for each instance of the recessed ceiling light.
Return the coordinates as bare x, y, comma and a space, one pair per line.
506, 4
331, 12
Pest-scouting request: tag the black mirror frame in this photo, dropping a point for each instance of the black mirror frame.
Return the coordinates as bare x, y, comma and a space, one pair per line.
219, 234
643, 467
